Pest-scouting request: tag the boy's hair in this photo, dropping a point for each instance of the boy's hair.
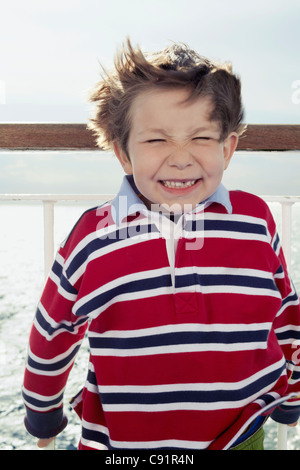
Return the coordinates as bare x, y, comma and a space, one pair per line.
176, 66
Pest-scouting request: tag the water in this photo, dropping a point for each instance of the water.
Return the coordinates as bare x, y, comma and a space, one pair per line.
21, 282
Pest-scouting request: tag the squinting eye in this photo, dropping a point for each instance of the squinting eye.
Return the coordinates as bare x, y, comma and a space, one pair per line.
155, 140
201, 138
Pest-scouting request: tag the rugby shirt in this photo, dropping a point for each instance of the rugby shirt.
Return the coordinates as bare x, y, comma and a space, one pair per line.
192, 332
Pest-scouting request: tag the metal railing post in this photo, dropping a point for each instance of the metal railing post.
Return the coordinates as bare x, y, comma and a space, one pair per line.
48, 207
286, 208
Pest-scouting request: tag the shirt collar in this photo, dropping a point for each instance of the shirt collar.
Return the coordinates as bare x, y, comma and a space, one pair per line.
127, 200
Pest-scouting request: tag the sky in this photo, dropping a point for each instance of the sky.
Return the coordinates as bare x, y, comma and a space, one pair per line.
49, 61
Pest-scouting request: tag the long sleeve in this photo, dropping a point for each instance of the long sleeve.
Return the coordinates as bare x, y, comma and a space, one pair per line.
55, 338
287, 330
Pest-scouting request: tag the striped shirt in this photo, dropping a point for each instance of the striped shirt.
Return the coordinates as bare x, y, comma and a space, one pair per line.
192, 326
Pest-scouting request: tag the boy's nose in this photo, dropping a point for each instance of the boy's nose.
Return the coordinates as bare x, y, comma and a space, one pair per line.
180, 158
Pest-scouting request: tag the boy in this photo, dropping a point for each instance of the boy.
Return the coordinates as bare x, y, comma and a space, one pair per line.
192, 314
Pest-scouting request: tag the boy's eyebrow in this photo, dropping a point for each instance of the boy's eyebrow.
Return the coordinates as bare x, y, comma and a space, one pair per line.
166, 134
154, 131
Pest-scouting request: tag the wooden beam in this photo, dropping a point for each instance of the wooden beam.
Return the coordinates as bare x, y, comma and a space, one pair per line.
270, 137
19, 136
46, 137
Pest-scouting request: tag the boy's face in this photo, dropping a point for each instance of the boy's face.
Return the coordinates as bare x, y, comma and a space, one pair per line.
175, 155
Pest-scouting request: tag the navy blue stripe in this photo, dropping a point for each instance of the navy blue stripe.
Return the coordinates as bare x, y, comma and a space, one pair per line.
41, 403
133, 286
189, 337
54, 366
289, 334
224, 279
106, 240
268, 398
296, 374
290, 298
96, 436
276, 242
61, 326
91, 378
226, 225
58, 271
202, 396
279, 270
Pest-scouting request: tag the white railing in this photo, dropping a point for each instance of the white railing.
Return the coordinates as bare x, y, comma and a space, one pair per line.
49, 200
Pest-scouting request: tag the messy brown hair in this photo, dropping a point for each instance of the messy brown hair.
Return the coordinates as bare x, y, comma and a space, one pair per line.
177, 66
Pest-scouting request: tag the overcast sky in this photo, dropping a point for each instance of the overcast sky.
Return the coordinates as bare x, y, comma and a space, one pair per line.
51, 49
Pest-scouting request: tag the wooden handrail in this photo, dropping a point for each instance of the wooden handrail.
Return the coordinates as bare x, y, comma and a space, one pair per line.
36, 136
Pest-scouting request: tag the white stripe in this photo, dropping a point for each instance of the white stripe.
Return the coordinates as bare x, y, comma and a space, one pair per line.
54, 359
67, 295
120, 244
292, 403
288, 328
119, 282
292, 302
178, 348
138, 444
97, 428
37, 396
176, 443
236, 218
192, 386
91, 387
55, 325
109, 232
167, 290
50, 320
231, 235
44, 409
224, 271
92, 444
205, 406
50, 373
279, 275
229, 289
129, 296
182, 327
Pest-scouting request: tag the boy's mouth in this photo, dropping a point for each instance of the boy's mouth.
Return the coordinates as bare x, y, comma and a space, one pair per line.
178, 184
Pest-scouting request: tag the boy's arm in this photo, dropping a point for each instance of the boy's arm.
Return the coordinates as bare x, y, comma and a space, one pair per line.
287, 330
55, 338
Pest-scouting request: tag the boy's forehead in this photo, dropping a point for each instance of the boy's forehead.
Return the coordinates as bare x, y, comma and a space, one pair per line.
177, 96
154, 110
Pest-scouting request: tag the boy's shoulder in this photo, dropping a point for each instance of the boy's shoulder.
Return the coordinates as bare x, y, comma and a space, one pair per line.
90, 221
249, 204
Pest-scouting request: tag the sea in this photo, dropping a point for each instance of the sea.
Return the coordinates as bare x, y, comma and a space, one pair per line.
21, 283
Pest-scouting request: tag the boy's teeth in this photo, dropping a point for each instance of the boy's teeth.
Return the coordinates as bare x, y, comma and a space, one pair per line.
178, 184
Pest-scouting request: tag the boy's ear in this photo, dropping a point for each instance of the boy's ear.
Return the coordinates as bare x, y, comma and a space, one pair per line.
229, 146
123, 158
